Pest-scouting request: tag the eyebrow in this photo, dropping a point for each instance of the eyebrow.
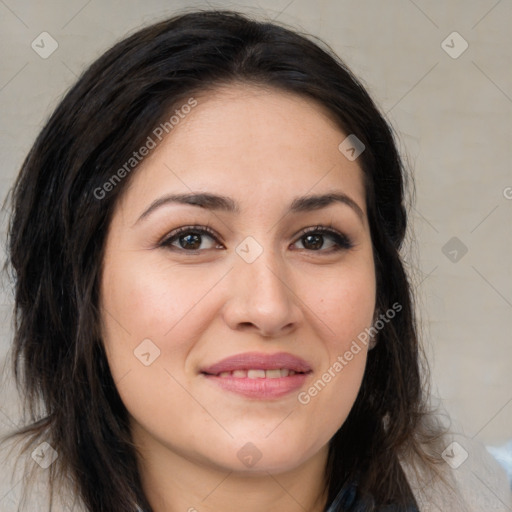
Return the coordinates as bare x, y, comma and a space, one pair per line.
218, 202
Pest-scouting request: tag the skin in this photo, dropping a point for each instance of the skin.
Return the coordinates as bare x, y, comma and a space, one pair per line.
262, 148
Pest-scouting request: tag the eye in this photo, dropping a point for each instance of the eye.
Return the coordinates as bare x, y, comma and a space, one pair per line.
189, 238
313, 239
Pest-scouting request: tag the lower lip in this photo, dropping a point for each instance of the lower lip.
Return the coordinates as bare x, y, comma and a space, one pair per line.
260, 388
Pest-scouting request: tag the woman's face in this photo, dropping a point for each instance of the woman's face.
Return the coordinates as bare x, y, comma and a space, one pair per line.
254, 285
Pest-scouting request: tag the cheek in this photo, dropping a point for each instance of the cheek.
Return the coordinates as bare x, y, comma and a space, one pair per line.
345, 304
151, 299
147, 335
342, 313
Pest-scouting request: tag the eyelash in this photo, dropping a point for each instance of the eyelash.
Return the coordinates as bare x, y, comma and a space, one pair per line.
342, 241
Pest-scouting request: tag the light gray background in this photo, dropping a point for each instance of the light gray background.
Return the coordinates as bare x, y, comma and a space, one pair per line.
453, 117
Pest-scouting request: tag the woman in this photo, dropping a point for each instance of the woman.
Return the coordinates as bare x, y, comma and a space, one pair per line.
210, 301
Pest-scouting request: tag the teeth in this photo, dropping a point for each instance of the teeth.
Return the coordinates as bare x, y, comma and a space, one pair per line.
256, 374
259, 373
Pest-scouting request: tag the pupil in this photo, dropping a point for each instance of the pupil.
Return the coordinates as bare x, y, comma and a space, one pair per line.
318, 239
190, 239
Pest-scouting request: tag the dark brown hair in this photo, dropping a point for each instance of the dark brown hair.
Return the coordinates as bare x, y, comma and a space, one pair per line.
57, 236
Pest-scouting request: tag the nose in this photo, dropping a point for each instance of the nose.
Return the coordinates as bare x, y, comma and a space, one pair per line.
262, 297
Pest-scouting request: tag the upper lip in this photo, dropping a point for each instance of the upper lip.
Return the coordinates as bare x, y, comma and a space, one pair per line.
258, 360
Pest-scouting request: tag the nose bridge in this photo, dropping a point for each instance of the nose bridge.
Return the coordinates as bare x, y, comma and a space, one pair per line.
265, 275
264, 294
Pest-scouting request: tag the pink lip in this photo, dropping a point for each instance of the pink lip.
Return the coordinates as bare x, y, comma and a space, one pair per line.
258, 361
259, 388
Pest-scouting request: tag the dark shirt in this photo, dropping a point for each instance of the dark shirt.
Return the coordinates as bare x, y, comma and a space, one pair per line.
348, 500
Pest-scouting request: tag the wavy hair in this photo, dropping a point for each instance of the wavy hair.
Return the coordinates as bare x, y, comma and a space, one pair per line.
56, 240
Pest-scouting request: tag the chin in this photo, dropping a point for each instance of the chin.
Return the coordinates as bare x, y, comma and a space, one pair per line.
265, 455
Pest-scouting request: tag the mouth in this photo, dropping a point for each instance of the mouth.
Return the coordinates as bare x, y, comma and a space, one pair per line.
259, 376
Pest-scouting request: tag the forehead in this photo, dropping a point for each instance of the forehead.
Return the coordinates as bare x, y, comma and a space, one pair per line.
261, 144
255, 121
